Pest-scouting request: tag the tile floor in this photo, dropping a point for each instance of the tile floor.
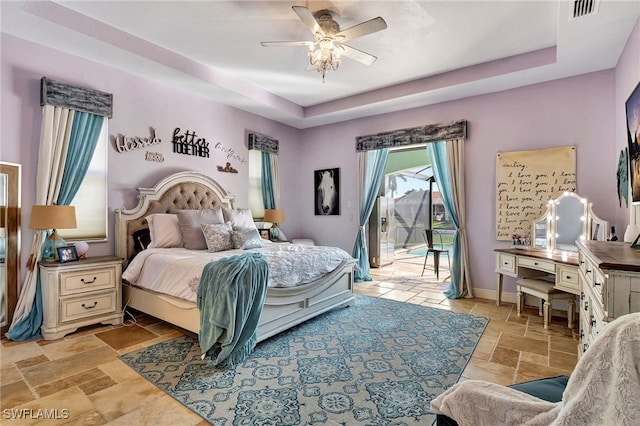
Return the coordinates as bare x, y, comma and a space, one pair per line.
79, 380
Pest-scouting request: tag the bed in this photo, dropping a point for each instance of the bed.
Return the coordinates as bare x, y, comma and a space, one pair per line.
284, 307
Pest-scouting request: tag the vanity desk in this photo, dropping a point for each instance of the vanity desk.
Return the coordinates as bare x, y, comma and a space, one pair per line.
527, 263
550, 268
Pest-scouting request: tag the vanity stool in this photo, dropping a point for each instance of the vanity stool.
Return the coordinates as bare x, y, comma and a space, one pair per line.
544, 289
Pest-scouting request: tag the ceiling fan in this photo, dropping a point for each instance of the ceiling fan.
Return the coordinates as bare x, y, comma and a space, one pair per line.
328, 47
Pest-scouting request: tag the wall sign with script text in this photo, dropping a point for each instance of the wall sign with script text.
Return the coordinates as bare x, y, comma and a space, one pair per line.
126, 144
189, 143
525, 181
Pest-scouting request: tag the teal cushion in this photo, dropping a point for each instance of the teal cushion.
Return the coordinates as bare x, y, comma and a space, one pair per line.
550, 389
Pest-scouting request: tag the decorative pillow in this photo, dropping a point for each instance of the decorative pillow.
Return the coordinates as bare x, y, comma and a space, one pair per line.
239, 218
190, 222
248, 237
164, 230
237, 239
217, 236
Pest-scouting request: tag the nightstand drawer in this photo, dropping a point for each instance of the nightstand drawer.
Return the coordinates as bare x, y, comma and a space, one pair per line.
88, 306
84, 281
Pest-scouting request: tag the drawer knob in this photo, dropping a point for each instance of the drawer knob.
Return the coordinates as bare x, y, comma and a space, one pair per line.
585, 347
586, 305
535, 263
567, 277
593, 321
588, 271
595, 283
89, 282
90, 307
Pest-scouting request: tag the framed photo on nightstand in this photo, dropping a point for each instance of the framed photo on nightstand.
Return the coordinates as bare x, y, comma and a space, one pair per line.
67, 254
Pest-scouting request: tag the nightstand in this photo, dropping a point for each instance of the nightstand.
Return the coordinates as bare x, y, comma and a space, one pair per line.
80, 293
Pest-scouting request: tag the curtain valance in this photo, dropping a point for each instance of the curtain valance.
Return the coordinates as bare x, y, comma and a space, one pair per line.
77, 98
263, 143
416, 135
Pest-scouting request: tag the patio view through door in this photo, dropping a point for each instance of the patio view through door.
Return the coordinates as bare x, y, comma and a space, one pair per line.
409, 187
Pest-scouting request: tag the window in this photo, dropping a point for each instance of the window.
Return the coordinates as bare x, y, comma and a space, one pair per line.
91, 200
256, 204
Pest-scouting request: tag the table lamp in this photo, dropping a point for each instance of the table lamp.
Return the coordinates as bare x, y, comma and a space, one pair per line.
274, 216
52, 217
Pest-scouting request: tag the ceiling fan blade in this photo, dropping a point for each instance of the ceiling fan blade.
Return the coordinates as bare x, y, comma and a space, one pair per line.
362, 29
357, 55
286, 43
307, 17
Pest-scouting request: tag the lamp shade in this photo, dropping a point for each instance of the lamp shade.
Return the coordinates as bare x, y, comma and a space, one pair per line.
274, 216
52, 217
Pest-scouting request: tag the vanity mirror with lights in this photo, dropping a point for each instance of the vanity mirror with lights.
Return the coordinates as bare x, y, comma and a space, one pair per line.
569, 218
553, 251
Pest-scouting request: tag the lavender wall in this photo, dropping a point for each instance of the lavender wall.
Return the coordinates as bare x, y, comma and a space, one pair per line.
575, 111
139, 104
582, 111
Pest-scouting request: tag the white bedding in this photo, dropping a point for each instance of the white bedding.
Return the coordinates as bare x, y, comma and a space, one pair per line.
176, 271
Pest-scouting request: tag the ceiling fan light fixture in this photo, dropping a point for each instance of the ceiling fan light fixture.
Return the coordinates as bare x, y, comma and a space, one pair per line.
325, 52
325, 58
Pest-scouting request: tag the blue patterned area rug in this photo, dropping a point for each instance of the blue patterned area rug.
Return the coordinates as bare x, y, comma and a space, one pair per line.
377, 362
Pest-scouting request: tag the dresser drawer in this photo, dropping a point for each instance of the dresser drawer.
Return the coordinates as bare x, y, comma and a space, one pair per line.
83, 281
538, 264
567, 279
83, 307
506, 264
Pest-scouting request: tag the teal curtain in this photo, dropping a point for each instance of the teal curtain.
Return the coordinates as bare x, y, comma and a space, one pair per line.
438, 154
371, 174
82, 145
268, 192
83, 139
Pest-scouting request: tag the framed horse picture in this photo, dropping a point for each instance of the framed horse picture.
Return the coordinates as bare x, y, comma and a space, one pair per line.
327, 192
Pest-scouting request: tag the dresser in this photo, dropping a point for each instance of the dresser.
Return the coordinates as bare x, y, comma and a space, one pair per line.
528, 263
610, 285
80, 293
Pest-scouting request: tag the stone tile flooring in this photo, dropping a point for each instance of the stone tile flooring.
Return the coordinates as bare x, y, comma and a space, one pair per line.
80, 380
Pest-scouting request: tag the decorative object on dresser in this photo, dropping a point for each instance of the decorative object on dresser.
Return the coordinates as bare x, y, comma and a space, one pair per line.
82, 248
67, 254
274, 216
610, 285
81, 293
52, 217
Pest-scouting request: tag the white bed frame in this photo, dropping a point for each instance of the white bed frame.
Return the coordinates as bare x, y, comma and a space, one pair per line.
283, 307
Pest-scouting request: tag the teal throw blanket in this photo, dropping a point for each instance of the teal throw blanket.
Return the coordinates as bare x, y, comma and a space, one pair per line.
230, 298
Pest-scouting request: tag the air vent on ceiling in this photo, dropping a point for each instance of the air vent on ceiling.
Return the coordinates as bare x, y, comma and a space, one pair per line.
582, 8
